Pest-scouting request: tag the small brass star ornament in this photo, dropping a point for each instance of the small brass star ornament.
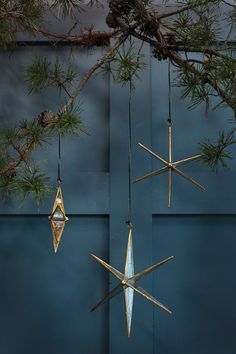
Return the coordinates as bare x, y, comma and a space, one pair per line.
57, 218
127, 283
170, 166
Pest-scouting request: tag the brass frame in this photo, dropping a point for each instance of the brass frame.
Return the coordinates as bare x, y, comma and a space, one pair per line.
127, 283
170, 166
58, 202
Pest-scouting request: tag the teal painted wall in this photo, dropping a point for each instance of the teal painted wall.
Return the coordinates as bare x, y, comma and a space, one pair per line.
45, 298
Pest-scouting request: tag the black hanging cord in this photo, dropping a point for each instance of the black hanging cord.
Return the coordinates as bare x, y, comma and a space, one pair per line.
129, 223
169, 95
129, 158
59, 159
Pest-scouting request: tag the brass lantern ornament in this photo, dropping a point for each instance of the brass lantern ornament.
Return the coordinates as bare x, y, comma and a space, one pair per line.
58, 218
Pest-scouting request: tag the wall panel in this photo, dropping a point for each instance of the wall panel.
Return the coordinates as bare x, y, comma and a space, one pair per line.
198, 285
45, 298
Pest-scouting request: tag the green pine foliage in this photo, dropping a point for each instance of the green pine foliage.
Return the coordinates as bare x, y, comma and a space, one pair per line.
17, 142
29, 182
41, 74
8, 188
194, 86
23, 178
216, 155
223, 71
32, 182
70, 7
127, 63
67, 7
18, 15
32, 132
188, 32
70, 122
198, 28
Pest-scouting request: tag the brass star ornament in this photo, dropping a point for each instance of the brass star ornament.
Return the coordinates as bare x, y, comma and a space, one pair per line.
127, 283
169, 166
57, 218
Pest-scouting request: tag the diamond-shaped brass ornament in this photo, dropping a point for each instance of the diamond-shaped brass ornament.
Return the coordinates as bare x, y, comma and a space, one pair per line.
57, 218
170, 166
127, 283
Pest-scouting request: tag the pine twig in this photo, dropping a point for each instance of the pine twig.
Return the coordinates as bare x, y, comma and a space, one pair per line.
52, 121
106, 58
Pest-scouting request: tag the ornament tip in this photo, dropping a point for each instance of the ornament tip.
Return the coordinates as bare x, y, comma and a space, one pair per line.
141, 145
55, 246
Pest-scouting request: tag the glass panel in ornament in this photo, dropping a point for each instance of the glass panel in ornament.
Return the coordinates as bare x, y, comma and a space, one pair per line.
58, 215
58, 228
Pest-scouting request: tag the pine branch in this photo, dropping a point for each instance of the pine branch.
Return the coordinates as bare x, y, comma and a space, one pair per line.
215, 154
66, 120
227, 3
204, 78
18, 16
69, 121
87, 39
128, 63
107, 57
32, 182
67, 7
70, 7
41, 74
178, 11
174, 34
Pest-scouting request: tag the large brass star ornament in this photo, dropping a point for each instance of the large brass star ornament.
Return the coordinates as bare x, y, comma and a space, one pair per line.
57, 218
170, 166
127, 283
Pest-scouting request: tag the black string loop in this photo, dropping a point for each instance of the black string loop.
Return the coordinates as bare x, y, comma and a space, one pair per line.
169, 120
129, 223
59, 159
